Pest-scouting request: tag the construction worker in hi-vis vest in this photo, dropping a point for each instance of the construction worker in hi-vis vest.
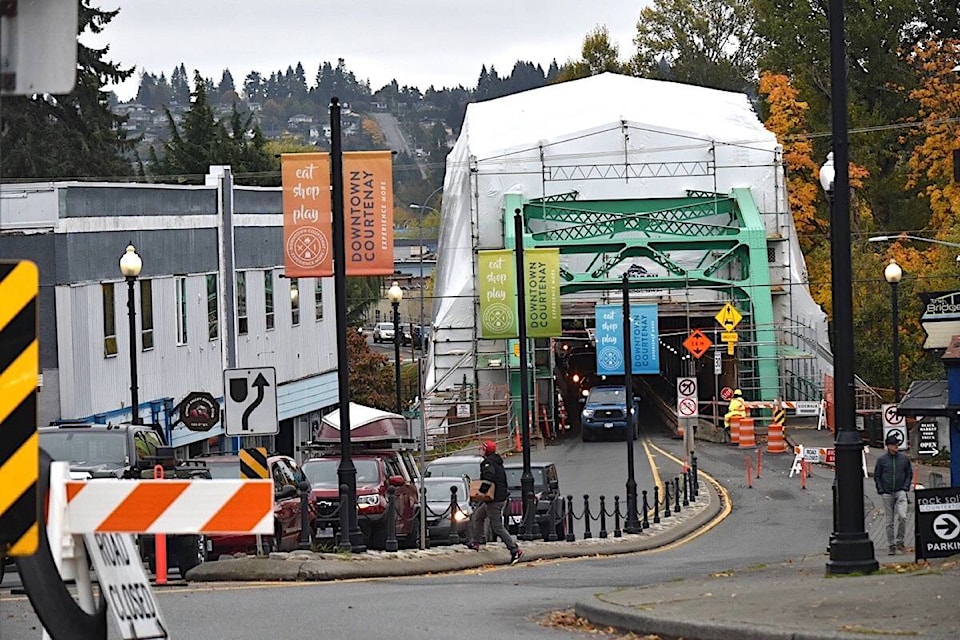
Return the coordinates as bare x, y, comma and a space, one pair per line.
738, 409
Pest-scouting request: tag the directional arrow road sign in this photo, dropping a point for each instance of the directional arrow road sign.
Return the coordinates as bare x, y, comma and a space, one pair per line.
728, 317
946, 526
250, 401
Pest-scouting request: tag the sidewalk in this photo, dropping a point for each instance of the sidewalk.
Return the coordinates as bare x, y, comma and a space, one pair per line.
311, 566
790, 602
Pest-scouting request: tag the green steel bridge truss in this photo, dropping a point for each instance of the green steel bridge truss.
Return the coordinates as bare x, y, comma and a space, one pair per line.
726, 231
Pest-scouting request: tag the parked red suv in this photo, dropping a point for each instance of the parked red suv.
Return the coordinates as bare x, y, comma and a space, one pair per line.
376, 470
287, 476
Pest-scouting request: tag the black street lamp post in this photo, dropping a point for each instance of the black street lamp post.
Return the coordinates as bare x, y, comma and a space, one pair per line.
851, 549
632, 524
893, 273
130, 265
395, 294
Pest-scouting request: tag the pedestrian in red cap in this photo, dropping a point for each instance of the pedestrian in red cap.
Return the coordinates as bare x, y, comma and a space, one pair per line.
491, 470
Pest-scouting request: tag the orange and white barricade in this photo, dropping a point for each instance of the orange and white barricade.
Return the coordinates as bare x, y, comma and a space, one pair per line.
747, 439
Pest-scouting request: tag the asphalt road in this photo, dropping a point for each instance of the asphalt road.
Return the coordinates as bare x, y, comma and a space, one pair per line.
774, 521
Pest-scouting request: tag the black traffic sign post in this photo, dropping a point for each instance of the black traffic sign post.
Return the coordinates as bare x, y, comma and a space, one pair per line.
937, 522
928, 444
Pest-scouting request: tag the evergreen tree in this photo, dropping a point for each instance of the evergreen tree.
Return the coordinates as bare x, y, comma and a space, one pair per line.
70, 135
180, 86
226, 91
253, 87
162, 92
145, 93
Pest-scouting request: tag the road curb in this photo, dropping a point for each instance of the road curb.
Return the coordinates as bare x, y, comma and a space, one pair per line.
318, 567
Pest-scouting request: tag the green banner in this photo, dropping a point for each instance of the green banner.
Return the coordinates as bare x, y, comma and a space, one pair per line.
542, 288
497, 275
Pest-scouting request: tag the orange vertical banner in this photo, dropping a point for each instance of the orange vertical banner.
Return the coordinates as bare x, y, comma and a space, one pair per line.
307, 218
368, 209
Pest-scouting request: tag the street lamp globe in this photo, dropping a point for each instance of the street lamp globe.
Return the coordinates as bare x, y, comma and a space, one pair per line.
827, 174
395, 293
130, 262
892, 272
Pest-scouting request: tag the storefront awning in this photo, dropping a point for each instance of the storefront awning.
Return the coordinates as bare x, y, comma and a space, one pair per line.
925, 398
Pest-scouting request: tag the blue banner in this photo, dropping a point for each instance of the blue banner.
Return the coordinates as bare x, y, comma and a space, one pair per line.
644, 339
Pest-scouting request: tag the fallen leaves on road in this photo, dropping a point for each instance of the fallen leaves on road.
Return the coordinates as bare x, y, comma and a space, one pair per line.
568, 620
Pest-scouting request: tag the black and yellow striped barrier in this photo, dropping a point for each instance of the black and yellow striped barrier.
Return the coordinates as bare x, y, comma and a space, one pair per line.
253, 463
19, 369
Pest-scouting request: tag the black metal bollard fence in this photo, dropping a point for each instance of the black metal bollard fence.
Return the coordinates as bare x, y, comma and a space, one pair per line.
676, 494
656, 505
646, 511
666, 499
696, 476
686, 481
571, 536
603, 517
454, 510
344, 534
305, 532
586, 517
550, 535
617, 533
391, 543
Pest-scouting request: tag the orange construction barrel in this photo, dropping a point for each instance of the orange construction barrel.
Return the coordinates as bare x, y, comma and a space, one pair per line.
775, 438
735, 429
747, 439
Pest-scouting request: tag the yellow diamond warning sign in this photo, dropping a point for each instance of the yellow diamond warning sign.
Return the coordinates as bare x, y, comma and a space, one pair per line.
728, 317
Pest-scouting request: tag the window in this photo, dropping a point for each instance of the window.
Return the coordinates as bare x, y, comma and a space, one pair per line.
146, 314
318, 298
213, 317
109, 319
268, 297
295, 301
181, 305
242, 303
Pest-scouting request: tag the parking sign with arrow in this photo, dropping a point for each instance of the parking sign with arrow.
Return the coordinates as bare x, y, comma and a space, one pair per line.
250, 401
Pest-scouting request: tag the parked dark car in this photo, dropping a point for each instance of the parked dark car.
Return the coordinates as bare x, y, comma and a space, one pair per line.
546, 489
287, 476
439, 507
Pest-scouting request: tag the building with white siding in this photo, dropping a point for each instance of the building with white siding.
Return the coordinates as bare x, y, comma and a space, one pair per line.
186, 332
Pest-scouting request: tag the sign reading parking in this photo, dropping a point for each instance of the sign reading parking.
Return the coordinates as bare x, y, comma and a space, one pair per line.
125, 586
250, 401
938, 522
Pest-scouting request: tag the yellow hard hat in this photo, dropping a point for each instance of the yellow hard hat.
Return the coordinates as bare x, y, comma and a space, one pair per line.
737, 392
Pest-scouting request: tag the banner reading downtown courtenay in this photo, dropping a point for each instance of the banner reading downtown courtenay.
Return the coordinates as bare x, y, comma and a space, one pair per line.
542, 292
368, 212
307, 246
497, 277
644, 339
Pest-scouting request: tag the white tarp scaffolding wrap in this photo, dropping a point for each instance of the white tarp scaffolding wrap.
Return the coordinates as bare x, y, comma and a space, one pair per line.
607, 137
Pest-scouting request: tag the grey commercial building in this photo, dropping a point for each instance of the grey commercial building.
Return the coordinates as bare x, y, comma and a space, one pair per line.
188, 328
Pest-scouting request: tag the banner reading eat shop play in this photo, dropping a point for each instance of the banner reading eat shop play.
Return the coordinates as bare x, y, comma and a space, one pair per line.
497, 276
368, 209
307, 235
542, 292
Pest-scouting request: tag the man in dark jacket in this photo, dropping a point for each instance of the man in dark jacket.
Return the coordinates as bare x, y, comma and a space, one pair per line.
491, 470
893, 474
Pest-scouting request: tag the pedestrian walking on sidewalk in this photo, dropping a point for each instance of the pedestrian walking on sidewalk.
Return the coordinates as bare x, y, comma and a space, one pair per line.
491, 470
892, 475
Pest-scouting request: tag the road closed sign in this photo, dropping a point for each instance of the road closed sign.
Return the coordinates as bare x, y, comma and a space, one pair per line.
938, 522
125, 586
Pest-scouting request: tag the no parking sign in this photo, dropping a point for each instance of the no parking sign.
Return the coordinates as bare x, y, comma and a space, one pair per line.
894, 425
687, 401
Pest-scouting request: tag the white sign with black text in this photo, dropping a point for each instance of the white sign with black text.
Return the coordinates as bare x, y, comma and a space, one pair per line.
250, 402
687, 398
125, 586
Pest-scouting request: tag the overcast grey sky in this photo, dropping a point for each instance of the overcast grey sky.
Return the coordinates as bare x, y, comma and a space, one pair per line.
418, 42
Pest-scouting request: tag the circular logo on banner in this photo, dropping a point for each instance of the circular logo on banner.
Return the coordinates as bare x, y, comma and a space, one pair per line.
726, 393
687, 407
611, 358
498, 318
307, 247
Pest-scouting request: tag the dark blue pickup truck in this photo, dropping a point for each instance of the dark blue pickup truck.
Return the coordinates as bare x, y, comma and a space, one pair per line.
605, 411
